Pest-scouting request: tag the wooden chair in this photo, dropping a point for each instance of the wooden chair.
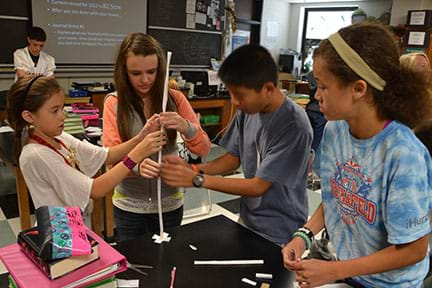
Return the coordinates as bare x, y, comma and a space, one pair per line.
23, 199
6, 155
103, 209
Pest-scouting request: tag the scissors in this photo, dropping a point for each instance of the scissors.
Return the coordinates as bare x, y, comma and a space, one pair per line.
137, 267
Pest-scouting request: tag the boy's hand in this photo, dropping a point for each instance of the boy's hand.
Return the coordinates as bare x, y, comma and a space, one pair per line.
176, 172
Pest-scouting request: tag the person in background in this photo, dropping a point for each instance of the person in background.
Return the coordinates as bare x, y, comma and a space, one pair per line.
416, 60
139, 77
376, 176
419, 62
316, 117
57, 167
270, 136
31, 60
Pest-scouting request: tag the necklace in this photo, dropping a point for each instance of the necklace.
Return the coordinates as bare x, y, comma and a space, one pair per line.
70, 159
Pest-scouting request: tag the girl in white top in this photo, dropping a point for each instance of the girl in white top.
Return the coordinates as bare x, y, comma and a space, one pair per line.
57, 168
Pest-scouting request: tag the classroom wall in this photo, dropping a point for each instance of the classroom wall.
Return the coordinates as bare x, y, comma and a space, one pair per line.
287, 17
296, 16
400, 9
275, 12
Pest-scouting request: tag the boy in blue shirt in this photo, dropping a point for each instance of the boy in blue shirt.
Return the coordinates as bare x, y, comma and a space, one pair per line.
270, 136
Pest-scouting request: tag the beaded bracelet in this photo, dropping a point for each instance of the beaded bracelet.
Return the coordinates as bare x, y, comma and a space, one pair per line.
305, 238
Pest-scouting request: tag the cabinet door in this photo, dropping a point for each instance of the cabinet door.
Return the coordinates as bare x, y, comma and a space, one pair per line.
220, 107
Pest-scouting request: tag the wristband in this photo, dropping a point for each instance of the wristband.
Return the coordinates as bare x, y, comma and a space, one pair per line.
307, 231
305, 238
128, 162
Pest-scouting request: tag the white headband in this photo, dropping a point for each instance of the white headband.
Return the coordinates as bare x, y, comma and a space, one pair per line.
355, 62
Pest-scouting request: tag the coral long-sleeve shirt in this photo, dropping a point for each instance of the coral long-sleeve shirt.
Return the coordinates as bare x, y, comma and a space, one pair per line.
199, 144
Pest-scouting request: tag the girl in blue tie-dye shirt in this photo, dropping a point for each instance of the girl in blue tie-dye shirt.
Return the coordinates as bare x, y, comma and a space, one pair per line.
376, 176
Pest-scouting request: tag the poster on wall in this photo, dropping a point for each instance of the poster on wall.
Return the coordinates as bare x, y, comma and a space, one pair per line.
418, 38
240, 38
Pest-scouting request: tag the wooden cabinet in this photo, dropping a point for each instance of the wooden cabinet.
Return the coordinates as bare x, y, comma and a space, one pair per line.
212, 106
98, 99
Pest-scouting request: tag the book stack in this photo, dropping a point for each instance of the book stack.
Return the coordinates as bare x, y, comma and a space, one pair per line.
93, 270
89, 113
53, 269
70, 100
73, 124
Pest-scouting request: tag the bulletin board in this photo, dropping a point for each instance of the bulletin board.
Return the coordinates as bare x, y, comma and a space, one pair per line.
191, 29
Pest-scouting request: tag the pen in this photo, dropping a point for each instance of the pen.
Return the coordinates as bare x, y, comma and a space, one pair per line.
173, 274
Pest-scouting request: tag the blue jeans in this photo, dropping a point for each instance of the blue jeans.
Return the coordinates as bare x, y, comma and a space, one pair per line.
318, 123
131, 225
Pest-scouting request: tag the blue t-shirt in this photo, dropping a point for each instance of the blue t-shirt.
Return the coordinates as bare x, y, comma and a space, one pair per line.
278, 143
376, 192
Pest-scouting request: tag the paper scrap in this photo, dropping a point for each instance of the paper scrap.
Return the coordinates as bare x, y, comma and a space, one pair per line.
272, 29
200, 18
190, 6
263, 276
213, 78
193, 247
190, 21
127, 283
157, 239
247, 281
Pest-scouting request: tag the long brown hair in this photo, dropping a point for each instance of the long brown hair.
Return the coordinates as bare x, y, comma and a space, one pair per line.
28, 93
406, 97
128, 100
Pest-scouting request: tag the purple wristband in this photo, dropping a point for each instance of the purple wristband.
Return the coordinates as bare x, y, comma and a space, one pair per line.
128, 162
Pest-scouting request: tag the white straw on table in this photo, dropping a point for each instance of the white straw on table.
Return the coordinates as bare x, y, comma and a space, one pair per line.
228, 262
263, 276
247, 281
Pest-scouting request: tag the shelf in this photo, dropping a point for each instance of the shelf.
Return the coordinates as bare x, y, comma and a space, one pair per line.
249, 15
211, 124
249, 22
220, 107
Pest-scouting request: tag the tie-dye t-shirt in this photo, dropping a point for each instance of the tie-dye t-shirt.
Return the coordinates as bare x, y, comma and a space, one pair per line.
376, 192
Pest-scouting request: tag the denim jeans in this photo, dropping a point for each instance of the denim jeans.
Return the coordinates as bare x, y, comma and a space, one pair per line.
131, 225
318, 122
